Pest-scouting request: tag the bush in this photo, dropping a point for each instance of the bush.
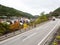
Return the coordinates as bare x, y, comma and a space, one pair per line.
41, 19
4, 28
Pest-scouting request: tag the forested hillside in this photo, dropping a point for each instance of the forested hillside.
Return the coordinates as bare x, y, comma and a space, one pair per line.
56, 12
7, 11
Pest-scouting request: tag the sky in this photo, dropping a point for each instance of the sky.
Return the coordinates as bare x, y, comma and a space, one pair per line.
34, 7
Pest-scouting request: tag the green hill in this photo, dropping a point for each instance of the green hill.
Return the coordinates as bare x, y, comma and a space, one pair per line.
7, 11
56, 12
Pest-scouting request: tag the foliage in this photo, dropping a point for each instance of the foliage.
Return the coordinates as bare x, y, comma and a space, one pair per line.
58, 37
4, 28
41, 18
55, 43
15, 26
25, 26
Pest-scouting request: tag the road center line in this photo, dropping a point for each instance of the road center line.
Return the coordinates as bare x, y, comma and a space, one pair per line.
29, 36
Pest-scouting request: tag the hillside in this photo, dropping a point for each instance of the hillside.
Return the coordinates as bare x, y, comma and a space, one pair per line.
7, 11
56, 12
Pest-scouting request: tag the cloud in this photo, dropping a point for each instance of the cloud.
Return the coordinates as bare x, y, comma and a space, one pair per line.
17, 4
32, 6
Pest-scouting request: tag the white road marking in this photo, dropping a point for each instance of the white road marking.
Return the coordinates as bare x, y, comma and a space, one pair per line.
29, 36
47, 35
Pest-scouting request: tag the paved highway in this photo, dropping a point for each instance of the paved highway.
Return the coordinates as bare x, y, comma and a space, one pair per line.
35, 36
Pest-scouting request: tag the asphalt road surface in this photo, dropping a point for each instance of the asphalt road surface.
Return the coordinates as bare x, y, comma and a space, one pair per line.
34, 36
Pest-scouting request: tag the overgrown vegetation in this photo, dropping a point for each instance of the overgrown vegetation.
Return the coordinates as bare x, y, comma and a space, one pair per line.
4, 29
43, 17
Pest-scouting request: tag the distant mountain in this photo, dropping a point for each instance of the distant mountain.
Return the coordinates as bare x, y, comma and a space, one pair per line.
7, 11
36, 16
56, 12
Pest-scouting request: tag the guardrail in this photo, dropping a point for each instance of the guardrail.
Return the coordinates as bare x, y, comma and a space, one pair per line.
47, 39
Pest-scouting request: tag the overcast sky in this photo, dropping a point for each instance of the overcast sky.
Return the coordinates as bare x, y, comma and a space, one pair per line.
34, 7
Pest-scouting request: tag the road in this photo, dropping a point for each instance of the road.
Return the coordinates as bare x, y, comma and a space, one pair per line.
34, 36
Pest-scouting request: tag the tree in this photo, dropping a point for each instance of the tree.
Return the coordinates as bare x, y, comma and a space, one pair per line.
43, 17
